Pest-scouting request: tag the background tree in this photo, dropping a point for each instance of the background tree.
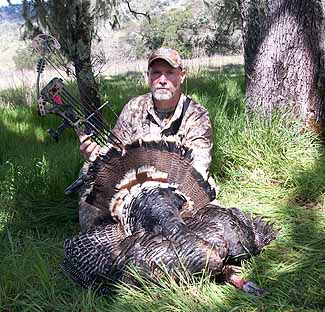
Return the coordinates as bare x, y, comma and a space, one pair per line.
225, 26
284, 57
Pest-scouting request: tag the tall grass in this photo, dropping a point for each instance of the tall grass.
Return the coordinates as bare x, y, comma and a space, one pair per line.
268, 167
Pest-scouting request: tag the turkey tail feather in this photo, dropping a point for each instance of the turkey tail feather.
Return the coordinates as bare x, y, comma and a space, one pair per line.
169, 160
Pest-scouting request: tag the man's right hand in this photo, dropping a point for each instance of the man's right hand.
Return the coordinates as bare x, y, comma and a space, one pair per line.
89, 149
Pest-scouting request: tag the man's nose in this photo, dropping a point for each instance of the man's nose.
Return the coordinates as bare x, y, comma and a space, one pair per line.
162, 79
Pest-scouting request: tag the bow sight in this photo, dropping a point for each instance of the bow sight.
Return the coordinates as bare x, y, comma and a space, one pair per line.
54, 100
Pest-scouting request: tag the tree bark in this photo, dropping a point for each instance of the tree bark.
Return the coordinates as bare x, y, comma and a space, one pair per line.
87, 85
284, 57
73, 24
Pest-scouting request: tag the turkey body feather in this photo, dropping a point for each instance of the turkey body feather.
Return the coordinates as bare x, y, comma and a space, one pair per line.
94, 263
244, 234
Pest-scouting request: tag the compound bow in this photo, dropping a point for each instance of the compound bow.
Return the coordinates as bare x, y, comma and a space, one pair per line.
55, 98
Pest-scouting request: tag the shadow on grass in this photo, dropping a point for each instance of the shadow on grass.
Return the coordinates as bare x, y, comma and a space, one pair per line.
219, 90
34, 170
305, 214
292, 269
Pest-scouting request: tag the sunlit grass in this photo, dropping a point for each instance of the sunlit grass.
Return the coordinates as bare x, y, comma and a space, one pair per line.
265, 166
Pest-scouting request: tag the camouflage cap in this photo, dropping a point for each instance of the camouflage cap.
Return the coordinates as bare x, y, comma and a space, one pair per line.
169, 55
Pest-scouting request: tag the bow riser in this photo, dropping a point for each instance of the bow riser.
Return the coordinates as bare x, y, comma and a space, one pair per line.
53, 100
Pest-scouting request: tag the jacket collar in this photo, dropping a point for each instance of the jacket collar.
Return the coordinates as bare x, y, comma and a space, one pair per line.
177, 114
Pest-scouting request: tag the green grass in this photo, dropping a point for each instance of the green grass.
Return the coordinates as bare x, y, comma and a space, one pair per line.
265, 166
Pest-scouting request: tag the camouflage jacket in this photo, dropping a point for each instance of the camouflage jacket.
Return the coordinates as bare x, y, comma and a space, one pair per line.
138, 120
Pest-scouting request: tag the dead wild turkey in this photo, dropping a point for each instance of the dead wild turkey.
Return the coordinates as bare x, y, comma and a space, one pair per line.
158, 217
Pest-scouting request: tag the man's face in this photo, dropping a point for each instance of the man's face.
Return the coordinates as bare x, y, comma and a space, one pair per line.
164, 80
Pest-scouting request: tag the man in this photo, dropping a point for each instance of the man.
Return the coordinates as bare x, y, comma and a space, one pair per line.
164, 113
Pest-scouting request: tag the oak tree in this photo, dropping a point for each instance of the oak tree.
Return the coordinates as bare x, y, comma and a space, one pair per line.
284, 57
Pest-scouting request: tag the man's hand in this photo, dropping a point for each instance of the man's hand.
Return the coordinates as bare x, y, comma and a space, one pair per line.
89, 149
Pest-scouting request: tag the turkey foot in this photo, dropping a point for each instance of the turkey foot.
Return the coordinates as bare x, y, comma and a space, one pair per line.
231, 276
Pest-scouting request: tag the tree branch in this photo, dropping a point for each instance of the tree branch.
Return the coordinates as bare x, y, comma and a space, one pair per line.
135, 13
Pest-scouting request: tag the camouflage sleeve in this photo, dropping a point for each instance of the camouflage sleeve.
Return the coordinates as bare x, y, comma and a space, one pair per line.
199, 138
123, 127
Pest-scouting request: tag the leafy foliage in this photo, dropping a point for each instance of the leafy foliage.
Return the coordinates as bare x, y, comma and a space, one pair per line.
223, 18
176, 30
205, 30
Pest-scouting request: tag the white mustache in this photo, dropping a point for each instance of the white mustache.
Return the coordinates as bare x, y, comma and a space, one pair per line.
162, 89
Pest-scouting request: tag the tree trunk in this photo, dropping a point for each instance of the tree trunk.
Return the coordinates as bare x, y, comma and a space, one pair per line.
284, 57
73, 24
88, 88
